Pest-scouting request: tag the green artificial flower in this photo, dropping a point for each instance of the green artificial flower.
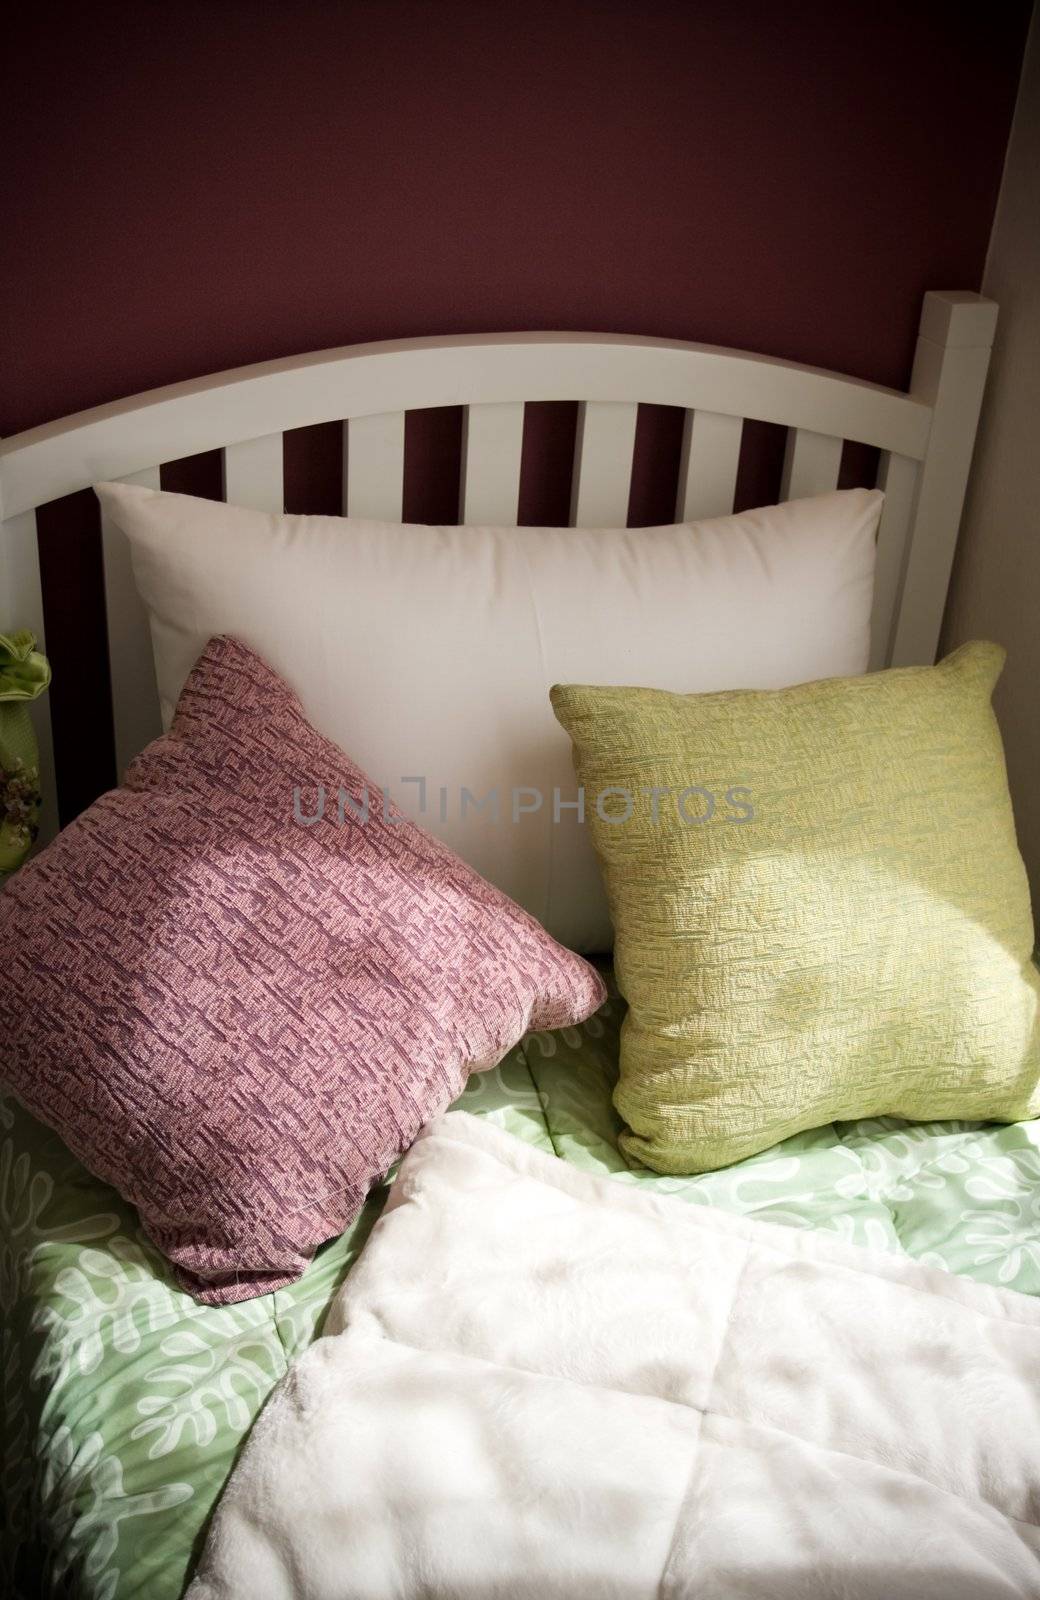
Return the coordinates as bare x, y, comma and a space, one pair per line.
19, 812
24, 672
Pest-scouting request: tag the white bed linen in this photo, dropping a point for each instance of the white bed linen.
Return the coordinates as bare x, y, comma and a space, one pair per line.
428, 653
544, 1384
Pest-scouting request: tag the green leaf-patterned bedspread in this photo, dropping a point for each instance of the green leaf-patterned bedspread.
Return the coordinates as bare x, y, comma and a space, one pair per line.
124, 1403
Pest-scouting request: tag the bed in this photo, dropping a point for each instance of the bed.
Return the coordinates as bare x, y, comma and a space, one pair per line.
126, 1402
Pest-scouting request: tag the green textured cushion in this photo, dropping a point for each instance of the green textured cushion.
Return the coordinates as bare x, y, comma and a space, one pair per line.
859, 945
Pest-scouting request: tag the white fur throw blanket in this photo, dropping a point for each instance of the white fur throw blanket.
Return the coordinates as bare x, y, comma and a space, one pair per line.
543, 1384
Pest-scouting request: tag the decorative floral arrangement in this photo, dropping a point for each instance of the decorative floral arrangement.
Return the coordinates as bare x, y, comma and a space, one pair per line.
19, 802
24, 674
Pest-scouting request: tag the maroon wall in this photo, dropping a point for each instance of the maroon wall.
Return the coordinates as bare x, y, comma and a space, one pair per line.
188, 186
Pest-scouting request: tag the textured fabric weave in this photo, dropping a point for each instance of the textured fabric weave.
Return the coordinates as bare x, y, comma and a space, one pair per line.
832, 922
241, 1021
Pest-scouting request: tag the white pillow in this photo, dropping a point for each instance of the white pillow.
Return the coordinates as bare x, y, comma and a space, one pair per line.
429, 652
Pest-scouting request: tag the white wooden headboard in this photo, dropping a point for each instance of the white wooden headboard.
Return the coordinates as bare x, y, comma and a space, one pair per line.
925, 438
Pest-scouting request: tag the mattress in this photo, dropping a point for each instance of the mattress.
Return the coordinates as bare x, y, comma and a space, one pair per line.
124, 1403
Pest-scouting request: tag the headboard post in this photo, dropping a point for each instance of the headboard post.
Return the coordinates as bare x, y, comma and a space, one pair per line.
949, 374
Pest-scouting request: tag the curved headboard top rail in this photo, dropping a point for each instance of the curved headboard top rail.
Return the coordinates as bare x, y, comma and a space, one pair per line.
184, 419
925, 438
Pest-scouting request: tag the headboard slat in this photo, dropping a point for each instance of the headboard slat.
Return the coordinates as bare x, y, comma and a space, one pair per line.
135, 696
492, 443
373, 468
897, 476
254, 474
708, 465
603, 446
812, 462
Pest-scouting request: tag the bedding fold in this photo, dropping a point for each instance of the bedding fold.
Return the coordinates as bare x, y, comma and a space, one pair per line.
541, 1382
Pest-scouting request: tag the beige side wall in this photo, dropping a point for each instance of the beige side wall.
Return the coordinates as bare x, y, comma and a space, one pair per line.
996, 582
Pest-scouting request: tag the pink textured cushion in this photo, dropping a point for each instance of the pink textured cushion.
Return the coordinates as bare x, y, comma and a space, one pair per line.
239, 1021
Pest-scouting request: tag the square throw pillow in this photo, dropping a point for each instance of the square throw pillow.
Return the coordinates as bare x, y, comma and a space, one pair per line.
240, 1017
482, 622
821, 910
